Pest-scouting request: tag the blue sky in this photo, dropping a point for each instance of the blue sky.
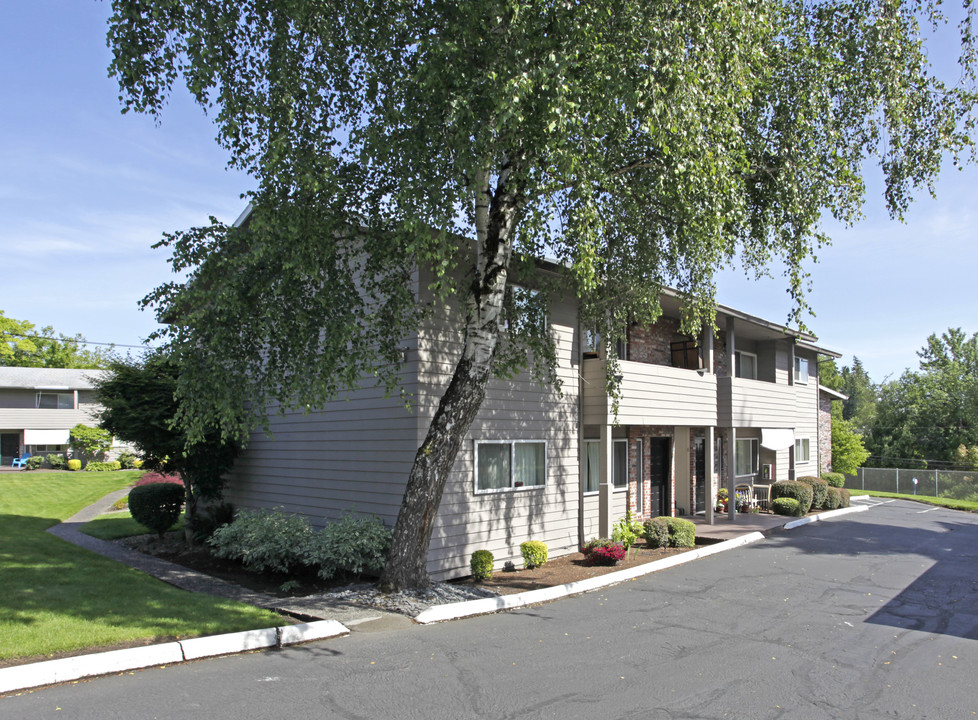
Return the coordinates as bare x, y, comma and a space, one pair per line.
85, 191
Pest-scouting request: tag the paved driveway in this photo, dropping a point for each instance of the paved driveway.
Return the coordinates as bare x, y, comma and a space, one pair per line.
874, 615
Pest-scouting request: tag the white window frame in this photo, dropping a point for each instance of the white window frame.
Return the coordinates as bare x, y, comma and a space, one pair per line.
798, 366
753, 457
738, 354
805, 442
48, 448
614, 466
60, 395
512, 462
514, 292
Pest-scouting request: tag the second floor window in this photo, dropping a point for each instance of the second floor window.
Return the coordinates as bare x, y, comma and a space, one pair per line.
686, 354
55, 401
801, 371
745, 365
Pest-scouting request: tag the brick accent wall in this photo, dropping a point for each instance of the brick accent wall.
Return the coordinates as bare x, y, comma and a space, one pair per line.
640, 432
720, 354
825, 432
650, 343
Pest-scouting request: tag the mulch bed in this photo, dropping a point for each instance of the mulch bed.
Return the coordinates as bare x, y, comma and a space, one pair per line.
569, 568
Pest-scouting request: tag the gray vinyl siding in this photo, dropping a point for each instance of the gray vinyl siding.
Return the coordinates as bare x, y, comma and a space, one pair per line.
515, 409
755, 403
806, 413
18, 411
650, 395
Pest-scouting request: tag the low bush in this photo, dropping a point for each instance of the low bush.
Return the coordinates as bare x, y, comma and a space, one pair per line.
833, 499
208, 518
481, 564
656, 532
819, 487
128, 460
57, 462
98, 466
844, 497
834, 479
682, 533
802, 492
155, 477
534, 554
34, 462
786, 506
261, 539
602, 551
156, 506
74, 464
356, 544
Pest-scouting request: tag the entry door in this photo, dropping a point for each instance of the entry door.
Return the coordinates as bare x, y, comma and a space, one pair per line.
659, 456
699, 447
9, 447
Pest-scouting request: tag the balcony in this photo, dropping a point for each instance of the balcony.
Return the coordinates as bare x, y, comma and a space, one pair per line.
650, 395
755, 403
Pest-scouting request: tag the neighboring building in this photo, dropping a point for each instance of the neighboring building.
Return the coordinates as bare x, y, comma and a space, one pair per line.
557, 467
39, 406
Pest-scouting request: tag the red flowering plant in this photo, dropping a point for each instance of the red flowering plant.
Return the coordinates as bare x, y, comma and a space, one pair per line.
602, 551
156, 477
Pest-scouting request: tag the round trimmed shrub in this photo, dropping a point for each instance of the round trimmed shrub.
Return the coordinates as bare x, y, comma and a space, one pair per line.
786, 506
534, 554
833, 499
820, 489
682, 533
844, 497
156, 506
34, 462
57, 462
802, 492
74, 464
127, 460
834, 479
481, 564
656, 532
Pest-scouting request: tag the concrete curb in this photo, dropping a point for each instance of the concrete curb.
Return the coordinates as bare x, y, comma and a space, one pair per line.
50, 672
454, 611
827, 515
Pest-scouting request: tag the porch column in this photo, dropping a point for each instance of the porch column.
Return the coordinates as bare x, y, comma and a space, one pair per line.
731, 473
683, 478
711, 490
605, 488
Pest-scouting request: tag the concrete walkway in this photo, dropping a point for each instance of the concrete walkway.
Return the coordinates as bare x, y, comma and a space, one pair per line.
723, 529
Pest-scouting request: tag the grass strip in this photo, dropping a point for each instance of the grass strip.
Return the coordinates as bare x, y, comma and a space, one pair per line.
118, 525
950, 503
59, 598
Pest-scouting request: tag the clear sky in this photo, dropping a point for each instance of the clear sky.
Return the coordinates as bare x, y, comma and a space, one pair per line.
85, 191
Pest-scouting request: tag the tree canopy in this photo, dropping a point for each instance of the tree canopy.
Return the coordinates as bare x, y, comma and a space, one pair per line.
637, 144
23, 345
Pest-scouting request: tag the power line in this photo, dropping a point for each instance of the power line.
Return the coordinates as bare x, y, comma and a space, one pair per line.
76, 340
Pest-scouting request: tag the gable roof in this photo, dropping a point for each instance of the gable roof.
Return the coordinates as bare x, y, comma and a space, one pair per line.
48, 378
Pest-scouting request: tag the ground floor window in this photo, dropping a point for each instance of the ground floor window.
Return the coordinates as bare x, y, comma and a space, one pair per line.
746, 456
505, 465
802, 450
619, 475
592, 465
38, 449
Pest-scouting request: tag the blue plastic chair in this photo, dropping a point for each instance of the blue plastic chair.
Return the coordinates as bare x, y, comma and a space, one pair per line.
20, 461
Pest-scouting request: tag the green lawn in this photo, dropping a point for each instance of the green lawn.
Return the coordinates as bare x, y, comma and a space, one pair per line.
115, 525
967, 505
57, 597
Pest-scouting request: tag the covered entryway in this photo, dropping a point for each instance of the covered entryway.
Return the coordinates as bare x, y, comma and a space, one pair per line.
660, 456
9, 447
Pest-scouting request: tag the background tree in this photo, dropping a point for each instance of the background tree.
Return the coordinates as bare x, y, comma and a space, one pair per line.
927, 414
92, 442
860, 407
848, 450
637, 143
23, 345
139, 407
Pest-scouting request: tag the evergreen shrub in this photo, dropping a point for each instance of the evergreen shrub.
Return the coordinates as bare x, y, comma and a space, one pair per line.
260, 539
99, 466
834, 479
74, 464
156, 506
844, 497
57, 462
34, 462
534, 553
786, 506
355, 544
603, 551
682, 533
833, 499
656, 532
127, 460
820, 489
802, 492
481, 564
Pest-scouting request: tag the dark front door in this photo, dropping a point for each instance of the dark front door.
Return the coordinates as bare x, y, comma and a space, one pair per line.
659, 475
9, 447
699, 448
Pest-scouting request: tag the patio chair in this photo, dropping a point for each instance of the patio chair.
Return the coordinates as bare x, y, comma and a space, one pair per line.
762, 493
21, 461
745, 493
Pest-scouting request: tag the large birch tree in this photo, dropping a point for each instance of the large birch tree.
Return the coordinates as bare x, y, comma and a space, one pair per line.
638, 143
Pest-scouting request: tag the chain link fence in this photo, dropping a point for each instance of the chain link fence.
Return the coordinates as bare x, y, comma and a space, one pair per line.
960, 484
